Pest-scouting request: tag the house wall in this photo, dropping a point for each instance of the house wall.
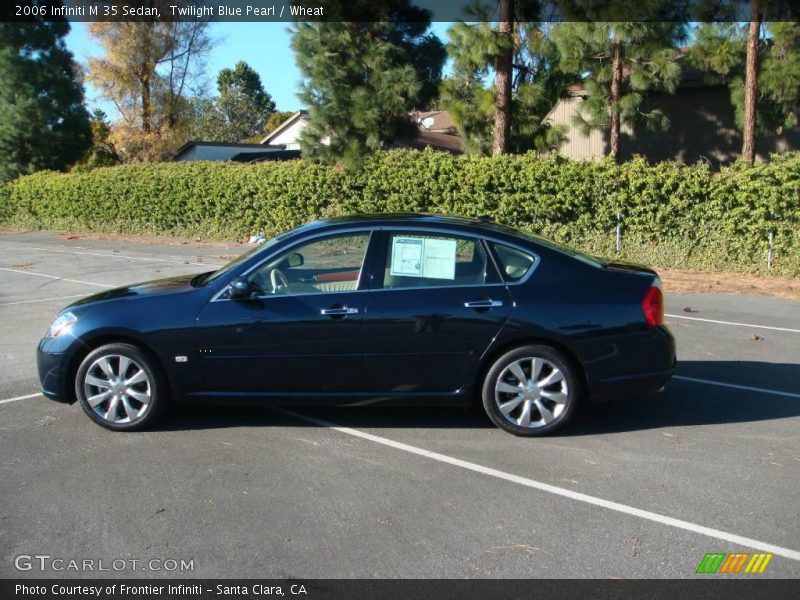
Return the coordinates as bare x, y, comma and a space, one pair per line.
290, 135
577, 146
702, 127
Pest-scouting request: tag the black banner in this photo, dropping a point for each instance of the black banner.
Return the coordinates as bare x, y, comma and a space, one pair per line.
394, 10
405, 589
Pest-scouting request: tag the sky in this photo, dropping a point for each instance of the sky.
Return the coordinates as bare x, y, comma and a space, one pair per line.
264, 46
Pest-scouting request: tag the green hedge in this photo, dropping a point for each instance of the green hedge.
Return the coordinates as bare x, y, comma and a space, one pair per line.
672, 214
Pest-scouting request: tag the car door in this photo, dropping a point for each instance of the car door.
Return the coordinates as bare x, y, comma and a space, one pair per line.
434, 312
301, 333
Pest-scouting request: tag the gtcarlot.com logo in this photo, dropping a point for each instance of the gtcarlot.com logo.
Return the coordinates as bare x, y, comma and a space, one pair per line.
45, 562
734, 563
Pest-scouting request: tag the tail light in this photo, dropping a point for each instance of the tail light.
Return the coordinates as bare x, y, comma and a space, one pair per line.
653, 305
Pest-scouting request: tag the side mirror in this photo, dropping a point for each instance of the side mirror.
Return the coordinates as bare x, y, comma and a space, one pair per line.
240, 288
295, 259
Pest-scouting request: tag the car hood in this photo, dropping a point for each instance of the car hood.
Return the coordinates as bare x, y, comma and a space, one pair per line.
147, 288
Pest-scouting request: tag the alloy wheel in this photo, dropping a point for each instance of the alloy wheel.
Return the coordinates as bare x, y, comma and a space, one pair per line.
531, 392
117, 388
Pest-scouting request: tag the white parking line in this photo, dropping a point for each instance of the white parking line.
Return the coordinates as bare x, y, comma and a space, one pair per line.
552, 489
734, 323
115, 255
17, 398
737, 387
43, 299
54, 277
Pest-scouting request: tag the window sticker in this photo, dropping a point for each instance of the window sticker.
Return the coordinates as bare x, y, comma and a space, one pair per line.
423, 257
439, 259
407, 256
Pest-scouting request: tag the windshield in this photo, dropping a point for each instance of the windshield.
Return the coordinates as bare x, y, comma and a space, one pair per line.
240, 259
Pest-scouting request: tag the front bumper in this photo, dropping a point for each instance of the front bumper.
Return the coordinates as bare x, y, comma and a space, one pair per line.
53, 370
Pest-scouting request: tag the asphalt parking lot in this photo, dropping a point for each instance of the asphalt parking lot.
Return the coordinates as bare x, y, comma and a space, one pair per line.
640, 488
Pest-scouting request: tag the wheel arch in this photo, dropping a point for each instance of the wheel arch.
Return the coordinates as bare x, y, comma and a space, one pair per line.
496, 352
99, 339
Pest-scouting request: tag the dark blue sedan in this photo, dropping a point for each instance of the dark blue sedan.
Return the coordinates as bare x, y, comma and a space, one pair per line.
371, 309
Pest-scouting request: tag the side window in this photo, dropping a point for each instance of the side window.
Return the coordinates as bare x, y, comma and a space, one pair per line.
514, 263
416, 259
323, 266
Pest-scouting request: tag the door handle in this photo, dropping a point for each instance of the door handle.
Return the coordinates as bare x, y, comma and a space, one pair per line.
338, 311
488, 303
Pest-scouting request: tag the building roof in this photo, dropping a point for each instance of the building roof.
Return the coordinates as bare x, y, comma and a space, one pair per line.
244, 148
269, 155
300, 114
441, 121
447, 142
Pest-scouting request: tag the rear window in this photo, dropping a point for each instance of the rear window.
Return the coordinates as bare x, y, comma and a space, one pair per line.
514, 263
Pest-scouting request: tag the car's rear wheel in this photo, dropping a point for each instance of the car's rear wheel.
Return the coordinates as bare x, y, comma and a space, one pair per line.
120, 387
531, 390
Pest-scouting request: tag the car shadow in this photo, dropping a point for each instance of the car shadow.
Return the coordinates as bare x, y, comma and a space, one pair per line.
682, 403
686, 403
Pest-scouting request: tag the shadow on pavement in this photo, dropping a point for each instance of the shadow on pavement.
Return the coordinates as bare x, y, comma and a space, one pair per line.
683, 403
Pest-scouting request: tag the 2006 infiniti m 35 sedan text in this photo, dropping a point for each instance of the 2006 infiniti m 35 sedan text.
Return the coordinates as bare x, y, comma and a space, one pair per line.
402, 309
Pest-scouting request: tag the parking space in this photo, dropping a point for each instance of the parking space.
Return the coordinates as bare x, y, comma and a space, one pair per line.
639, 488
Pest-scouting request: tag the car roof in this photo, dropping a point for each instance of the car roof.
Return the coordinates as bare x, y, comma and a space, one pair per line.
410, 219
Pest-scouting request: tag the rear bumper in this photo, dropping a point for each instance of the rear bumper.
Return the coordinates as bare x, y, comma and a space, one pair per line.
52, 368
655, 357
627, 387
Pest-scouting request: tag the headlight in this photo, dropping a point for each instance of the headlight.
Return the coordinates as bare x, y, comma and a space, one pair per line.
63, 324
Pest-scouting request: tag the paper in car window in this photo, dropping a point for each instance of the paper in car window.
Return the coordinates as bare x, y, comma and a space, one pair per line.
439, 259
423, 257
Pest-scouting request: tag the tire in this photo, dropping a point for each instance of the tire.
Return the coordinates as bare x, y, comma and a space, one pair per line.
121, 403
510, 393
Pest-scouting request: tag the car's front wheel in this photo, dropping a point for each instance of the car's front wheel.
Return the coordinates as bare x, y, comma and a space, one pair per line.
531, 390
120, 387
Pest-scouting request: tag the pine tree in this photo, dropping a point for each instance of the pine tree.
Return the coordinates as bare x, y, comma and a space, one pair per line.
537, 83
362, 79
102, 152
43, 122
620, 62
768, 100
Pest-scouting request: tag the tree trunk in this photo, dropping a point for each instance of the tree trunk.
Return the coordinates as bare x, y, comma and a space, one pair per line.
616, 85
751, 85
147, 106
502, 79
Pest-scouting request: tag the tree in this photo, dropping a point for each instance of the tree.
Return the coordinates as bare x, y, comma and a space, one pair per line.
620, 62
43, 122
483, 44
102, 153
536, 83
240, 112
148, 70
767, 98
243, 79
363, 78
751, 84
276, 119
502, 79
471, 106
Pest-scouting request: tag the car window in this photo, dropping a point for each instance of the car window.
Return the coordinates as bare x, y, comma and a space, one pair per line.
243, 257
416, 259
329, 265
514, 263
